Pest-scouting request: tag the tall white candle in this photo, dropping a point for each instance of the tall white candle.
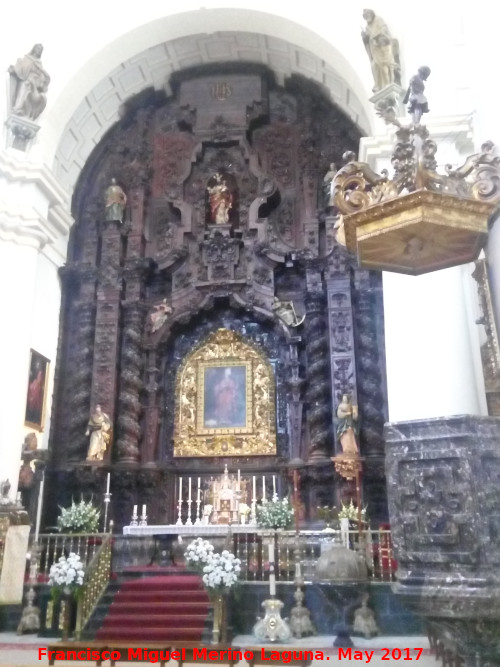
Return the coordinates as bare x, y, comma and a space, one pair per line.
274, 485
239, 477
39, 507
189, 489
263, 487
199, 489
108, 482
144, 510
272, 576
135, 510
180, 489
254, 489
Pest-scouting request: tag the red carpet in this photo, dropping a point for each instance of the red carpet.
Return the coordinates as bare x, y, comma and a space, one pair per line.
157, 609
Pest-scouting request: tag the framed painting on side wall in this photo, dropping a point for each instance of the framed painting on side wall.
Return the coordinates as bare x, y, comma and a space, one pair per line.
37, 391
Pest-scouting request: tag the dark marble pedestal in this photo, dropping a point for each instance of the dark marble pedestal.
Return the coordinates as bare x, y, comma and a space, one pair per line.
443, 478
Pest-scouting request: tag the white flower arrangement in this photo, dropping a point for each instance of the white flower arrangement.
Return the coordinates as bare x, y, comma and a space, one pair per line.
198, 552
351, 512
82, 517
244, 508
219, 571
67, 573
274, 514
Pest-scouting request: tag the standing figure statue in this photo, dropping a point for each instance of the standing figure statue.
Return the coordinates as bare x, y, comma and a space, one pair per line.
29, 83
159, 315
221, 201
100, 430
415, 98
116, 200
285, 310
347, 417
328, 185
381, 49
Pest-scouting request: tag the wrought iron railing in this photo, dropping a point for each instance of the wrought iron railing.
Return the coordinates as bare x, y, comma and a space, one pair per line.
95, 583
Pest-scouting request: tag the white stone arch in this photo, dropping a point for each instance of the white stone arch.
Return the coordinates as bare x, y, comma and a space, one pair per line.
143, 58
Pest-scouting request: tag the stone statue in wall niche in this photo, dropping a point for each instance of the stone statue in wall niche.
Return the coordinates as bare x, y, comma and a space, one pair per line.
382, 50
328, 185
28, 84
347, 417
116, 201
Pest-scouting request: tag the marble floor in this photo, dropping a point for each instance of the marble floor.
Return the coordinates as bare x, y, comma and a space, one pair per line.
23, 651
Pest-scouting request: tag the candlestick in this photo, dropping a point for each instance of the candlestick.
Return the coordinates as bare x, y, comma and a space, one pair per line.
239, 478
254, 492
144, 518
134, 516
180, 488
199, 491
189, 490
107, 500
108, 482
274, 486
39, 507
263, 488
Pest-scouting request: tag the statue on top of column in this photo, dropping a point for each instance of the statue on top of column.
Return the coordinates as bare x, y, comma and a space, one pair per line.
116, 201
29, 83
382, 51
415, 98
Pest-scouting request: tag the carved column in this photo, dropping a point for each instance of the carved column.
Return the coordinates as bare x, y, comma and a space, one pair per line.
370, 364
74, 385
129, 405
340, 324
295, 403
152, 409
107, 320
318, 396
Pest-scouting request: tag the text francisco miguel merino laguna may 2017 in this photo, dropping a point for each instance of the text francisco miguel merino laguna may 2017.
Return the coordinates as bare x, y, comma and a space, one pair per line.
205, 655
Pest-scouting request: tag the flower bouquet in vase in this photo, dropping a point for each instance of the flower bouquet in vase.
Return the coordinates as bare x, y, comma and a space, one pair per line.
82, 517
66, 578
275, 514
220, 572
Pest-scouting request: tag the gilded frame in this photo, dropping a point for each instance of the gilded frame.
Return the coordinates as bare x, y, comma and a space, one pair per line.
225, 400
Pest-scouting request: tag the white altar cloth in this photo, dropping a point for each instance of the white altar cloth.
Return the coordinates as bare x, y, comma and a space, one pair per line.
201, 530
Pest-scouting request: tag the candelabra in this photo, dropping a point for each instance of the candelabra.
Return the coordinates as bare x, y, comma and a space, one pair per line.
179, 510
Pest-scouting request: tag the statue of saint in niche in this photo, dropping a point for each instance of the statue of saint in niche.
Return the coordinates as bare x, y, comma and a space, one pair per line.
100, 430
220, 199
116, 200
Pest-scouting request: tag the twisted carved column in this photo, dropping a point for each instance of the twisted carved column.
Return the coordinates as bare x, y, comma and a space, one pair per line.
129, 405
318, 377
74, 384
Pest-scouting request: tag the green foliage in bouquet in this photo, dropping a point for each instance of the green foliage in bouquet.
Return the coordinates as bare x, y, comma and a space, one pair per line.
275, 514
82, 517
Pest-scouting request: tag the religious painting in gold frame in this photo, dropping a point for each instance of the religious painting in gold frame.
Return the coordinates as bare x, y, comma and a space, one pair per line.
225, 400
